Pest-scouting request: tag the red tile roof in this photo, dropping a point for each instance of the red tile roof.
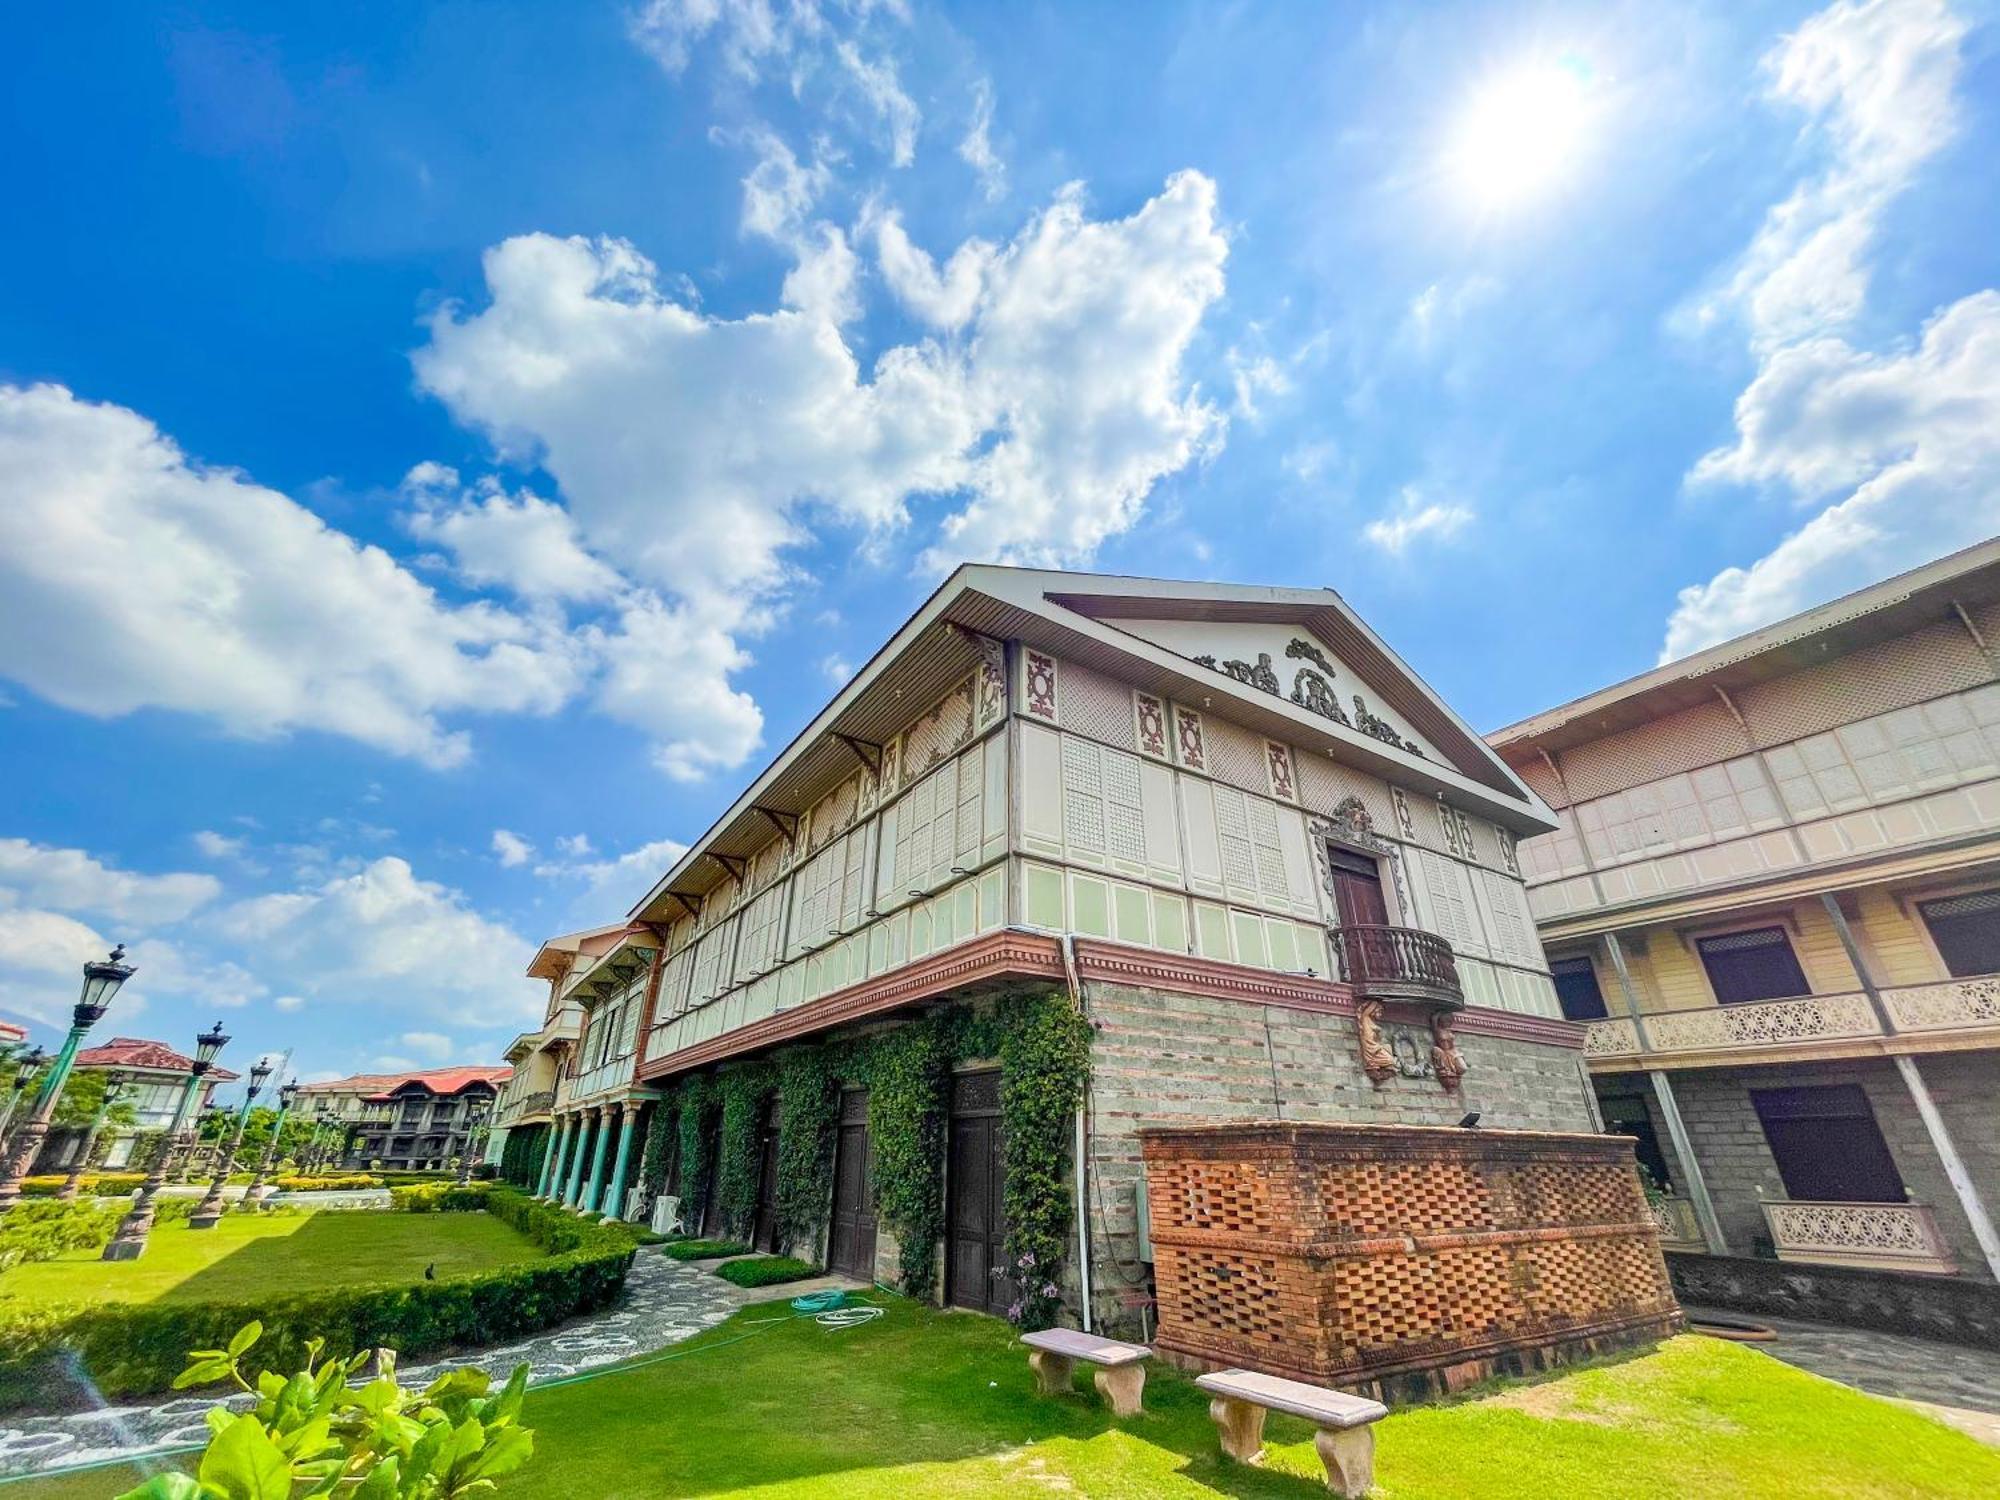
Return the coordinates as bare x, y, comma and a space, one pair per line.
437, 1080
137, 1052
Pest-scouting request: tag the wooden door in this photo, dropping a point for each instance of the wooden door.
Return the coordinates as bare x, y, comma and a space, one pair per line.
975, 1207
850, 1247
1357, 890
764, 1227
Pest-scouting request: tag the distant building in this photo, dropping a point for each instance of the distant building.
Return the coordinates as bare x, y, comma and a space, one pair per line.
406, 1121
155, 1077
526, 1108
1774, 898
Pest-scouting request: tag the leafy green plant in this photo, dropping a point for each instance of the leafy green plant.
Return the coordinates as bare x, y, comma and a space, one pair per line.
378, 1441
662, 1142
704, 1249
809, 1108
766, 1270
694, 1108
744, 1091
326, 1182
523, 1156
906, 1072
440, 1198
106, 1184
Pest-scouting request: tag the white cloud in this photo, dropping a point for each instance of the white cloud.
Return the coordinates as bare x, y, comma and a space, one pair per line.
427, 1044
1253, 376
883, 92
71, 880
822, 284
624, 879
779, 192
749, 31
392, 1062
232, 600
291, 1003
220, 845
1877, 78
697, 449
975, 148
1899, 450
945, 300
520, 542
511, 848
383, 936
574, 845
1413, 518
48, 943
836, 669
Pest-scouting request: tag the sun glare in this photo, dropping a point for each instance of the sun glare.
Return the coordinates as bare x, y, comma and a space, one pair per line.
1521, 132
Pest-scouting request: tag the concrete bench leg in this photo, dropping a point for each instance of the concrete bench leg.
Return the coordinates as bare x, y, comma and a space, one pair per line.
1240, 1426
1349, 1456
1052, 1371
1122, 1387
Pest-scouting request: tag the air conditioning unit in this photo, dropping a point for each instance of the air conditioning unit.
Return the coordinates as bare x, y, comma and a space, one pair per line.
667, 1216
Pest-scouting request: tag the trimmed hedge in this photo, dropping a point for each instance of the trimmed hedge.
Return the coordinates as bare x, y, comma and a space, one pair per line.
440, 1198
107, 1184
766, 1270
131, 1350
705, 1249
327, 1182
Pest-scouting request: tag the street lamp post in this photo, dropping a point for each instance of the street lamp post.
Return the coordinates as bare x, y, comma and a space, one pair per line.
475, 1136
100, 983
129, 1243
114, 1085
208, 1212
26, 1066
258, 1192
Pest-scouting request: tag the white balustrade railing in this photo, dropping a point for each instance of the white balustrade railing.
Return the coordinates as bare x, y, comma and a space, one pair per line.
1679, 1228
1944, 1006
1886, 1236
1610, 1038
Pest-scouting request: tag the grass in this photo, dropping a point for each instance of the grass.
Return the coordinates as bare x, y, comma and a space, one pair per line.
921, 1404
705, 1249
766, 1270
246, 1257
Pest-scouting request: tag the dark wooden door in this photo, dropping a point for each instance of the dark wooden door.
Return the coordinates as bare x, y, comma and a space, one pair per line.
850, 1247
764, 1228
1357, 890
975, 1206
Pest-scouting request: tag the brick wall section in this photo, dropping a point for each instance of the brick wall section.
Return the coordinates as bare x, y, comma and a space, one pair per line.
1736, 1159
1170, 1059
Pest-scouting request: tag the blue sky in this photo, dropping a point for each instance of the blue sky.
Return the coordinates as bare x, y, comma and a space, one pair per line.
444, 448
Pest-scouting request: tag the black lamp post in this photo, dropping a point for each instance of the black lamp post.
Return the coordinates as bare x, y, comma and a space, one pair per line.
475, 1136
100, 983
129, 1243
258, 1192
208, 1213
114, 1085
26, 1066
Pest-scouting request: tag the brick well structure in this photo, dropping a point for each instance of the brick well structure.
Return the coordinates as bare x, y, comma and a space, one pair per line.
1401, 1260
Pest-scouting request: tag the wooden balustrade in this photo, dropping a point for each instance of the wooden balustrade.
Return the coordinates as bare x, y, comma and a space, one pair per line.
1398, 963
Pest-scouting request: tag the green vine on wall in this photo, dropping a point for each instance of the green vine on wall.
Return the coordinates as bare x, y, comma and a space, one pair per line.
694, 1109
809, 1109
1044, 1061
743, 1091
657, 1160
906, 1071
522, 1156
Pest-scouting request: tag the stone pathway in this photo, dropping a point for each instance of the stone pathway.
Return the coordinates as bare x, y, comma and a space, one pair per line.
663, 1303
1955, 1383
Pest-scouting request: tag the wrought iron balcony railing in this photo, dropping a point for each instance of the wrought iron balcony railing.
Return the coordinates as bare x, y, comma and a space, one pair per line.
1398, 963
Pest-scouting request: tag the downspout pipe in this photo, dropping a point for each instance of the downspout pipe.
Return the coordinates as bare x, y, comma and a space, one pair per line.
1075, 983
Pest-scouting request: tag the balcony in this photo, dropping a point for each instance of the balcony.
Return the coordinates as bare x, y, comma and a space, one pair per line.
1875, 1236
1951, 1005
1679, 1228
1398, 963
519, 1107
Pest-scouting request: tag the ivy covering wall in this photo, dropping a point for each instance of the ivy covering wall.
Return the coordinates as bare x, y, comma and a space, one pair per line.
521, 1157
1043, 1046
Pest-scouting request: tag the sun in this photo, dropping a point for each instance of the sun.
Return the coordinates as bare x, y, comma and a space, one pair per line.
1522, 132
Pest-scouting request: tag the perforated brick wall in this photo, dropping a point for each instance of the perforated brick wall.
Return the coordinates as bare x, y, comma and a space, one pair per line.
1398, 1258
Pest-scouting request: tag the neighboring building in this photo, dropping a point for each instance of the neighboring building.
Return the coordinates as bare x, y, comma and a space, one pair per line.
1266, 859
12, 1034
527, 1100
1775, 898
155, 1077
418, 1121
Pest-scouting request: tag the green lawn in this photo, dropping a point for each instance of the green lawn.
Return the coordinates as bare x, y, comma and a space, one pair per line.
246, 1257
922, 1404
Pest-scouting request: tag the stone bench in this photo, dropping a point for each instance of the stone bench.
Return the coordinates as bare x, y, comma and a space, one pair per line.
1346, 1441
1120, 1376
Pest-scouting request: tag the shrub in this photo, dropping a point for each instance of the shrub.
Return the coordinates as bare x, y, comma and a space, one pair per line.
766, 1270
705, 1249
107, 1184
450, 1439
326, 1182
134, 1349
439, 1198
40, 1229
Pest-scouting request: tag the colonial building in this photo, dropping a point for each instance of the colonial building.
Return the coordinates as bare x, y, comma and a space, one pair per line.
1275, 872
1774, 898
154, 1077
420, 1121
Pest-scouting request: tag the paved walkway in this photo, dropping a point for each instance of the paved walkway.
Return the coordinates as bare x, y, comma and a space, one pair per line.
663, 1303
1955, 1383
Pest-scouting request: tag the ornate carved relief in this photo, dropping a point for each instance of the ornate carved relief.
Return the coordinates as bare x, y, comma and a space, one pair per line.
1040, 677
1405, 824
1508, 856
990, 690
1377, 1060
1278, 767
1303, 650
1260, 674
1150, 718
941, 731
892, 767
1314, 694
1193, 748
1381, 729
1446, 1064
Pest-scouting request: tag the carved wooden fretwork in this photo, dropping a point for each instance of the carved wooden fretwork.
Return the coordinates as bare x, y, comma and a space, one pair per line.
1187, 728
1278, 765
1314, 694
1150, 719
729, 862
865, 751
786, 823
990, 690
1039, 678
1405, 824
1943, 1006
1304, 650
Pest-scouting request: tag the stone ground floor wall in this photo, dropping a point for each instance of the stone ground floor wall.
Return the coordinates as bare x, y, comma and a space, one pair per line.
1952, 1308
1171, 1059
1740, 1171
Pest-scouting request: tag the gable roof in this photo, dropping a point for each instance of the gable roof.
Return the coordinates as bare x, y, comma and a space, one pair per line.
1075, 617
553, 959
138, 1052
1937, 591
446, 1081
438, 1080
